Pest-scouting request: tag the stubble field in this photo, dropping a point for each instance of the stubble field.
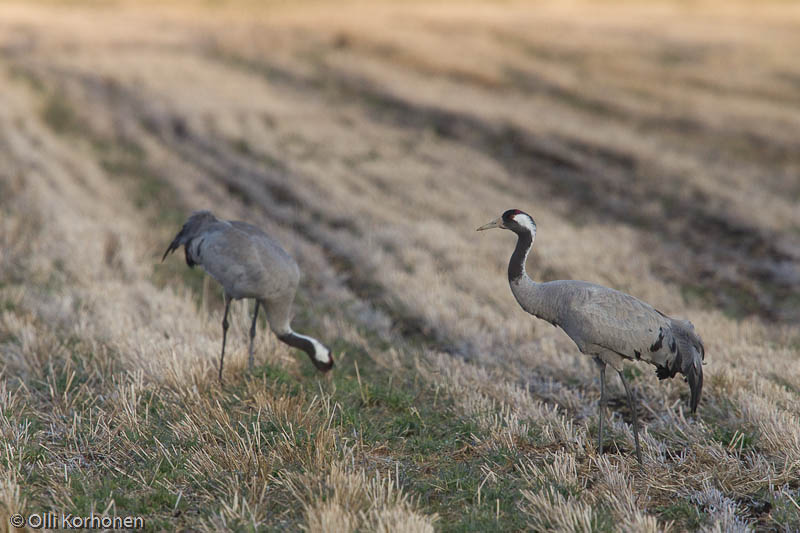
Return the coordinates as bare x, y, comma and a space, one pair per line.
656, 145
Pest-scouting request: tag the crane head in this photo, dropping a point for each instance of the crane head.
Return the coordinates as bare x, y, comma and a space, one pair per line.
514, 220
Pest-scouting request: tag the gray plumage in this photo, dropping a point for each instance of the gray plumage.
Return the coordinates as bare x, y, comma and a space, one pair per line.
248, 264
605, 323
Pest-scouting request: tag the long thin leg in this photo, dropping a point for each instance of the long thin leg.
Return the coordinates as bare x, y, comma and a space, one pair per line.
224, 335
602, 407
632, 405
252, 336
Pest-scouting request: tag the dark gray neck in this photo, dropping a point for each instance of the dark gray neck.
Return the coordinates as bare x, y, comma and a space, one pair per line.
531, 296
296, 341
516, 266
304, 343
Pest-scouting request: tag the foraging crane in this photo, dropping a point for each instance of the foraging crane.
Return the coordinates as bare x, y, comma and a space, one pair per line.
605, 323
248, 264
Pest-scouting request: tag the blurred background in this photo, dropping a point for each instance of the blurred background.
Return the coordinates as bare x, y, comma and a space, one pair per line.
366, 123
656, 144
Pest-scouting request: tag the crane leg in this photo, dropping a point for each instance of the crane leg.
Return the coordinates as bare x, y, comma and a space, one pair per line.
224, 335
602, 406
632, 405
252, 336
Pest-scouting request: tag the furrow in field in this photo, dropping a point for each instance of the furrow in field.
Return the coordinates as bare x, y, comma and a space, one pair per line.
601, 184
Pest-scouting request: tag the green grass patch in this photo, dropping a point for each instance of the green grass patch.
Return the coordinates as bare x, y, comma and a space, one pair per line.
735, 438
685, 515
466, 496
784, 513
421, 429
91, 493
632, 373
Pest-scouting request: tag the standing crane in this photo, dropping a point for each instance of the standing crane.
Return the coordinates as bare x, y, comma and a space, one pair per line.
248, 264
605, 323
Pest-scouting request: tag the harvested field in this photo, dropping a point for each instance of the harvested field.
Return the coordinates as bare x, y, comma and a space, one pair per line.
655, 144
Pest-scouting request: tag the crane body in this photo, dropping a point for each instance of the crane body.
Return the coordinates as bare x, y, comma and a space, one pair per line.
248, 264
609, 325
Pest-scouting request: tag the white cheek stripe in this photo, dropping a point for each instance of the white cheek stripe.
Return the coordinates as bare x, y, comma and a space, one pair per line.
321, 353
525, 221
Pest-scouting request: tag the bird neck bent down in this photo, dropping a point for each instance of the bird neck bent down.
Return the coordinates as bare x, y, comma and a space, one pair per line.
320, 355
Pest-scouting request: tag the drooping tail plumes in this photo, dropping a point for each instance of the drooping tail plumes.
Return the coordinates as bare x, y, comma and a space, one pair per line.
694, 376
191, 229
688, 358
691, 353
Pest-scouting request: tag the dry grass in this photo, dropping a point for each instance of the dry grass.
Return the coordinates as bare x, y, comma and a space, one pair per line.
654, 144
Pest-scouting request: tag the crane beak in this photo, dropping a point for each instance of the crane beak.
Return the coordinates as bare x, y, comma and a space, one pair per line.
496, 223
